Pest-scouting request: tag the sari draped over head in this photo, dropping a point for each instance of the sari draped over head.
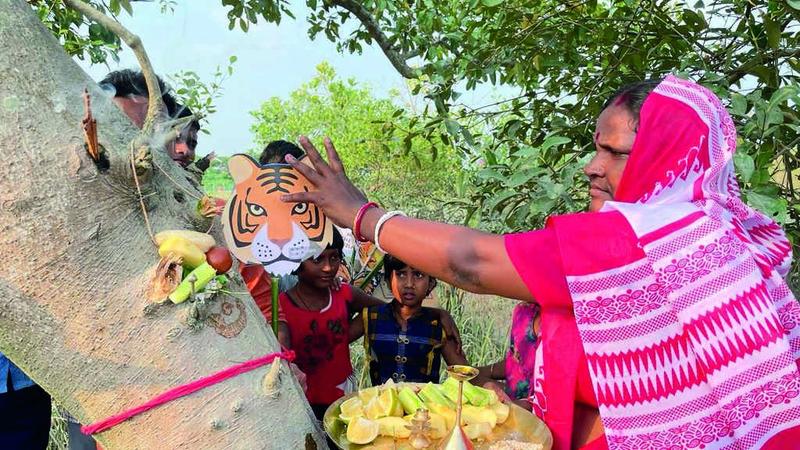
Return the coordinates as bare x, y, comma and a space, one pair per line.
690, 332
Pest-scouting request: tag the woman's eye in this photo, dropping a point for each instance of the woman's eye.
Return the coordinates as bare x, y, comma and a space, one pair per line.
418, 275
256, 210
300, 208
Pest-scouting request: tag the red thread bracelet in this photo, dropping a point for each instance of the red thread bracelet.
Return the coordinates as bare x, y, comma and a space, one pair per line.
183, 390
359, 217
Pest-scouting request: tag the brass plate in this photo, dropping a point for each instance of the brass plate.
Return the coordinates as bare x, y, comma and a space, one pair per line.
521, 425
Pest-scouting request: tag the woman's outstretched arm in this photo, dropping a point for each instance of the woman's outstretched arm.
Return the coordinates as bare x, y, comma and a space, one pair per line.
466, 258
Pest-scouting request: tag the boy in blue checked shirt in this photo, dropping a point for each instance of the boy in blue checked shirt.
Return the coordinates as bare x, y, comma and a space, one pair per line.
403, 340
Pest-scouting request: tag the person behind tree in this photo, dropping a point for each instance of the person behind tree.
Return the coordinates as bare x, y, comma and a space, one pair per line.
403, 340
24, 410
130, 95
666, 318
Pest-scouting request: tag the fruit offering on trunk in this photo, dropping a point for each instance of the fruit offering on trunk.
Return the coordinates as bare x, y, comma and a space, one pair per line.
219, 258
199, 276
203, 241
190, 253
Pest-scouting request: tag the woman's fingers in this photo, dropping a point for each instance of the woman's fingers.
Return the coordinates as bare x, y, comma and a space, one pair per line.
307, 172
333, 156
313, 155
300, 197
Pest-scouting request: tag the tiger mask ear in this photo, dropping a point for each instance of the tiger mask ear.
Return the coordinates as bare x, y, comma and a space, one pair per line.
241, 167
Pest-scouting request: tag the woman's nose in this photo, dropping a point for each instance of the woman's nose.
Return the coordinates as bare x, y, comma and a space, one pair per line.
594, 168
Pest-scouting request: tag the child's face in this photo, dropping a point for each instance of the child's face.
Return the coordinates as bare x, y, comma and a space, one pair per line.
410, 286
321, 270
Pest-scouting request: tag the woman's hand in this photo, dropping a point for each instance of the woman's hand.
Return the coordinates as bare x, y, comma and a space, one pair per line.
498, 389
338, 198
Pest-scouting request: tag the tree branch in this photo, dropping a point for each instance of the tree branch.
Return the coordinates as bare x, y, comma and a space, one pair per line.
396, 58
155, 105
762, 57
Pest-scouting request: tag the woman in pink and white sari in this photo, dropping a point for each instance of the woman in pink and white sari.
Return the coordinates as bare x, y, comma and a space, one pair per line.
666, 321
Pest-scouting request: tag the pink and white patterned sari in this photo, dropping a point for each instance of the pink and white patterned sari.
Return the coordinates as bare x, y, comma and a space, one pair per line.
691, 335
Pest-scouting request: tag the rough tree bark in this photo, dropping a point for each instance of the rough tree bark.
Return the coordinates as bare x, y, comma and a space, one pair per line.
77, 259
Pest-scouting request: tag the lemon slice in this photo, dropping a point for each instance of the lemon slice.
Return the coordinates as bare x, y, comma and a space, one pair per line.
394, 427
368, 394
362, 431
350, 409
383, 405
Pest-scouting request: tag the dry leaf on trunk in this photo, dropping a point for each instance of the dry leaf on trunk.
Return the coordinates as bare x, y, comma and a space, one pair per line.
166, 279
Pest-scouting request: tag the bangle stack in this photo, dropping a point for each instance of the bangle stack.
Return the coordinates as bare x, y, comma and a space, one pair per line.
359, 217
380, 223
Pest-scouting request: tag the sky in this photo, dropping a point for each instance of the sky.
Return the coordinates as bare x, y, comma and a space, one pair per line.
272, 61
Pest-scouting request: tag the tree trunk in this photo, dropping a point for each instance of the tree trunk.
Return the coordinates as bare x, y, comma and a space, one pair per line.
73, 312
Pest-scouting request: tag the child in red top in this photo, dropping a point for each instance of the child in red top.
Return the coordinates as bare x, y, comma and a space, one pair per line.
317, 317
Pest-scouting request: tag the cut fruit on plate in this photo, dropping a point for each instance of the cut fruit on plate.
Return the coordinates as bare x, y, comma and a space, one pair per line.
368, 394
394, 427
474, 414
502, 411
351, 409
479, 430
362, 431
438, 426
383, 405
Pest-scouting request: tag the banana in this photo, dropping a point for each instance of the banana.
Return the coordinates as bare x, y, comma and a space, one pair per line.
203, 241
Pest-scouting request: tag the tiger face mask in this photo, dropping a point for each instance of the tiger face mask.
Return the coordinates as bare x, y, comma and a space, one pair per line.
259, 228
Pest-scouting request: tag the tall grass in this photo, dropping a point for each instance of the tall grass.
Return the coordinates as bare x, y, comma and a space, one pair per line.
58, 431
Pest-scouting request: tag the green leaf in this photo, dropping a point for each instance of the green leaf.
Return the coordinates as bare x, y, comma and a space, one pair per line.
491, 3
526, 152
774, 207
452, 126
520, 178
738, 104
745, 165
232, 59
126, 4
554, 141
490, 174
773, 32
